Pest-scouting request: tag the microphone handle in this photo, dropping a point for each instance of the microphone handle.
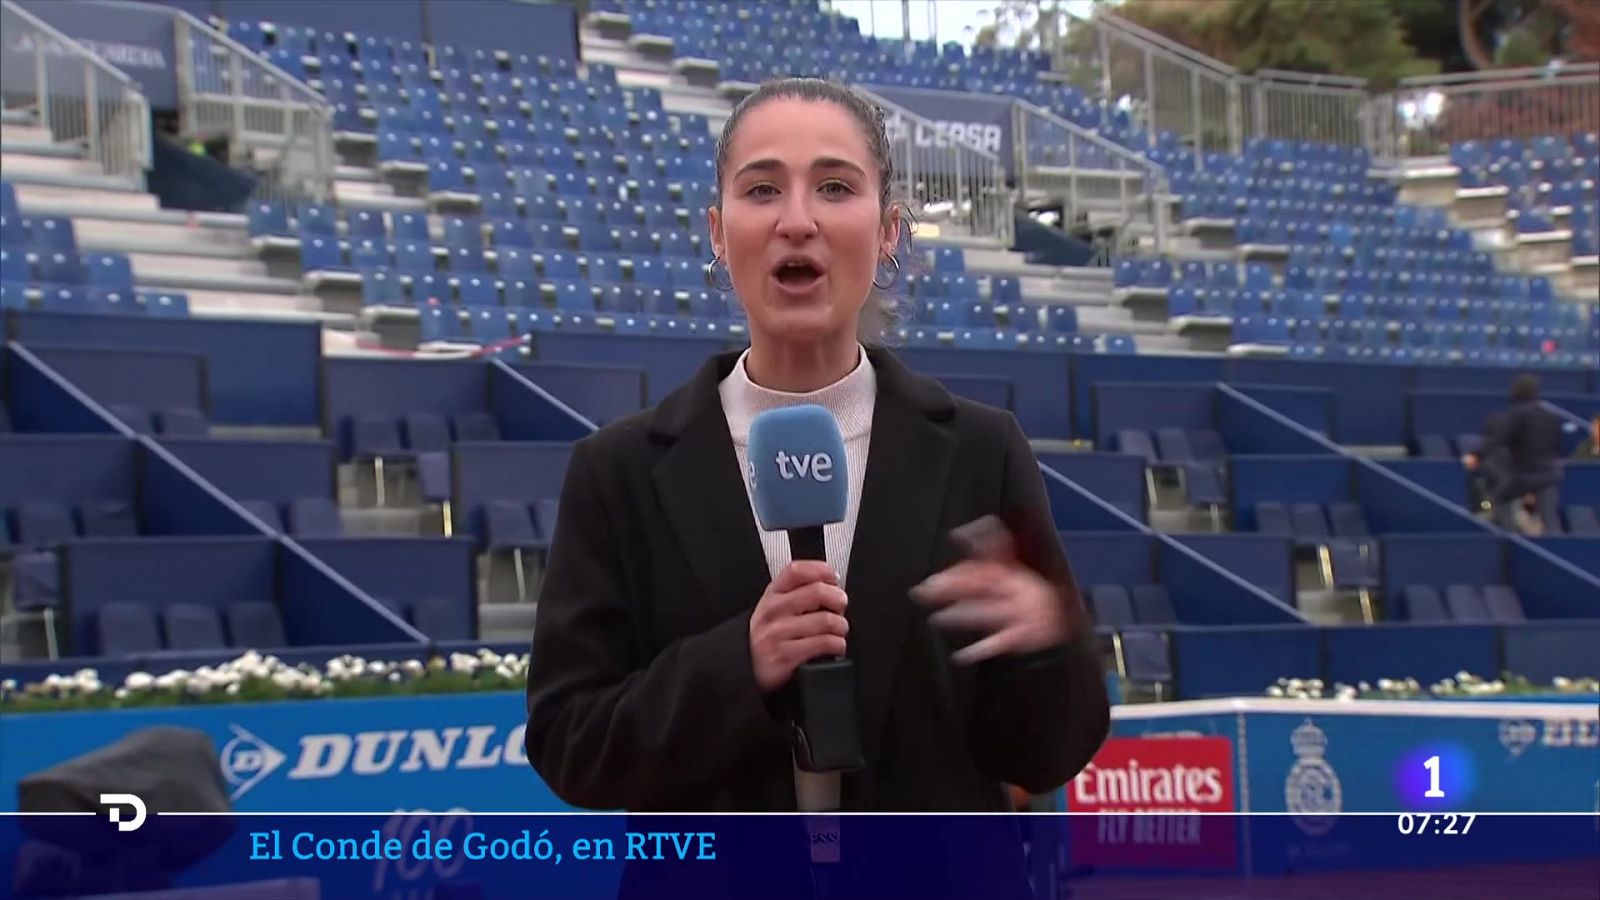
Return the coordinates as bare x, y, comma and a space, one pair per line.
827, 729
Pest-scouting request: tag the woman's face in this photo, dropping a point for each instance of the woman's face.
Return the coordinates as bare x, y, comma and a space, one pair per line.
800, 227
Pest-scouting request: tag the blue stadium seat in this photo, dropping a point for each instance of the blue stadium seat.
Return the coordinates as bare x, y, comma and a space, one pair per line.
108, 519
508, 526
1113, 609
1273, 518
1146, 659
1152, 606
127, 629
1424, 605
476, 426
426, 433
44, 525
50, 233
1503, 604
1466, 604
255, 624
192, 627
1582, 521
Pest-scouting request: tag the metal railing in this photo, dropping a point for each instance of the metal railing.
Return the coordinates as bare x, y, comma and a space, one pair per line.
943, 178
1423, 116
1090, 173
75, 94
1164, 85
1301, 106
275, 123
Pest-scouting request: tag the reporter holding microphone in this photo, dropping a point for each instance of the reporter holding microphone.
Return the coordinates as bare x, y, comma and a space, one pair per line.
875, 641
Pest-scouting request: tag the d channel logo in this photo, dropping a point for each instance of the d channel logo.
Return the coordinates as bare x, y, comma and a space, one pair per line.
114, 804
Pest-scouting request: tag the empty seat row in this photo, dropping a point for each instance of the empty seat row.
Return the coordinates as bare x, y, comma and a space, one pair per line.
387, 437
300, 517
98, 300
66, 267
45, 524
1486, 604
176, 422
1172, 446
1313, 524
1117, 607
126, 628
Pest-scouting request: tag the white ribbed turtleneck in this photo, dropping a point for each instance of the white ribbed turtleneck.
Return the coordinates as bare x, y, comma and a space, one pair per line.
851, 399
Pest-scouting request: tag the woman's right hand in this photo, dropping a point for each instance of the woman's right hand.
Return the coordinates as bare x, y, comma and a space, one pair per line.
800, 617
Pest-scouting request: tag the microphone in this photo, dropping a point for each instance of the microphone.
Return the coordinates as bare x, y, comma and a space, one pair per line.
799, 482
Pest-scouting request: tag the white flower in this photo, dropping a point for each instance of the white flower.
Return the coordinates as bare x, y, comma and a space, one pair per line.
1385, 684
395, 677
1412, 684
120, 693
1464, 676
1274, 691
380, 668
1364, 687
463, 663
8, 685
413, 667
1295, 684
1346, 693
232, 688
139, 681
288, 679
1561, 683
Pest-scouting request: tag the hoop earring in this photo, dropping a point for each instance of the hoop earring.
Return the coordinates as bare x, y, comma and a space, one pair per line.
893, 276
723, 285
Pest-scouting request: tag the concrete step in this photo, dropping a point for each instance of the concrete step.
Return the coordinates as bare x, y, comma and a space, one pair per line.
1055, 290
25, 131
34, 194
15, 163
43, 147
122, 217
118, 236
215, 304
15, 117
1110, 320
109, 184
172, 272
209, 267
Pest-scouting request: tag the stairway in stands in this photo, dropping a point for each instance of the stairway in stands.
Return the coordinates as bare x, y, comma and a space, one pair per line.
206, 256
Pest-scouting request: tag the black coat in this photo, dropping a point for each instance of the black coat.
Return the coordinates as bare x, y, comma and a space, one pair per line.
640, 690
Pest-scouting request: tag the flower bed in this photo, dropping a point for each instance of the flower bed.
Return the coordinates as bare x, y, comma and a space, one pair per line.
254, 678
1464, 686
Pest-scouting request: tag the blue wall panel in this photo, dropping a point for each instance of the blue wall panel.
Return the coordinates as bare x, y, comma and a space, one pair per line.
527, 412
1581, 484
260, 373
1114, 477
390, 18
1040, 380
1204, 593
148, 379
1444, 477
1369, 401
1392, 504
1540, 651
395, 387
41, 400
1440, 560
1146, 407
174, 500
1232, 662
537, 29
997, 392
276, 471
524, 472
66, 468
1427, 653
601, 394
413, 571
1551, 588
1583, 552
1124, 558
667, 361
1285, 479
1247, 426
1076, 508
1310, 408
1089, 369
321, 607
1260, 559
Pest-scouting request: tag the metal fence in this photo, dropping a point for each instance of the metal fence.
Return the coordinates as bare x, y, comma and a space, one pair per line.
944, 179
76, 95
1300, 106
1095, 177
275, 123
1423, 116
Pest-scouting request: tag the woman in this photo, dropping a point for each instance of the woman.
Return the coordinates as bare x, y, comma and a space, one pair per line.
669, 625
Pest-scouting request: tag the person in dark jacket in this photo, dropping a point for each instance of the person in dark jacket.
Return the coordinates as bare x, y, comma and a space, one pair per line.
669, 624
1527, 436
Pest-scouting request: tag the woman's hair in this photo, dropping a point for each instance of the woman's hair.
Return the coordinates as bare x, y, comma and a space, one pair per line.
882, 311
1525, 388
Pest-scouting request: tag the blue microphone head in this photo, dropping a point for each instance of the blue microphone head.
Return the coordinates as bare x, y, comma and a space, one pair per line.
798, 473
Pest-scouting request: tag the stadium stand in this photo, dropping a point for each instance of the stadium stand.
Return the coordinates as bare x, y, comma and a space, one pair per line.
1248, 412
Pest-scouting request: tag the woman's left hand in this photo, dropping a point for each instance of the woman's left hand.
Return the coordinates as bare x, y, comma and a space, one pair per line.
1015, 607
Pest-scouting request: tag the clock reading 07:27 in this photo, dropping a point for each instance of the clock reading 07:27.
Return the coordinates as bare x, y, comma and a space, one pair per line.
1436, 823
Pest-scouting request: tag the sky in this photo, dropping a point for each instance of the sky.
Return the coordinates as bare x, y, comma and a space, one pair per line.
882, 18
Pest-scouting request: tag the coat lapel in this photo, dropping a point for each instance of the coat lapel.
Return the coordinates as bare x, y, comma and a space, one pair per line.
699, 485
897, 528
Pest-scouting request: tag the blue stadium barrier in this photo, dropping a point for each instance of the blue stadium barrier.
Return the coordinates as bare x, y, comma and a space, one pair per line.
395, 387
260, 373
1368, 400
40, 400
667, 361
1496, 380
68, 469
527, 412
1148, 406
1580, 484
602, 394
1264, 560
1076, 508
1540, 651
1040, 381
1583, 552
1310, 408
146, 379
1551, 588
518, 471
1392, 504
175, 500
997, 392
322, 607
1220, 661
275, 471
1205, 593
1115, 478
1285, 479
1090, 369
1427, 653
1450, 413
416, 572
1118, 557
540, 29
1444, 477
1440, 560
1248, 426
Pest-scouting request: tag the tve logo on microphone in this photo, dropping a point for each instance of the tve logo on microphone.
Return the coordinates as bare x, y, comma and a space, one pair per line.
798, 471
